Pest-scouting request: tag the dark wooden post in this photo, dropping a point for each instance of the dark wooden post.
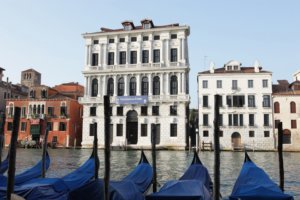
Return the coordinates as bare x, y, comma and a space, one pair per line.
45, 142
12, 154
217, 150
280, 157
107, 146
2, 124
153, 142
95, 150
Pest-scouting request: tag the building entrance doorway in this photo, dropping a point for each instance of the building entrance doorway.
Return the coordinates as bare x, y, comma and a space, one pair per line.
236, 140
132, 127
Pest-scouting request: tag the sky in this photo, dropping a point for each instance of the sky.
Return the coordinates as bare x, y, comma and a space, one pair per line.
46, 35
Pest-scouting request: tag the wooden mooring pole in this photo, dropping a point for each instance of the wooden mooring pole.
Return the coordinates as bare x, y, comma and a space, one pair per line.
12, 154
217, 150
95, 151
280, 156
153, 143
107, 146
2, 124
45, 142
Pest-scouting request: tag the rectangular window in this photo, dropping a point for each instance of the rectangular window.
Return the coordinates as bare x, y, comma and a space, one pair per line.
63, 111
95, 59
230, 120
93, 129
145, 38
111, 40
265, 83
205, 101
251, 120
156, 55
145, 56
50, 111
119, 130
122, 59
173, 110
204, 84
133, 57
144, 130
205, 134
267, 133
144, 110
120, 111
110, 111
219, 84
220, 120
251, 101
235, 101
50, 126
276, 122
173, 55
235, 119
62, 126
111, 58
205, 119
96, 42
221, 134
9, 126
234, 84
133, 39
251, 134
156, 37
220, 101
266, 101
241, 120
173, 36
23, 112
122, 40
93, 111
23, 126
250, 83
293, 123
155, 110
173, 130
266, 120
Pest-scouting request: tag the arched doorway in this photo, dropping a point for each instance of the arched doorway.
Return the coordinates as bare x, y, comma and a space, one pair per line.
132, 127
236, 140
286, 136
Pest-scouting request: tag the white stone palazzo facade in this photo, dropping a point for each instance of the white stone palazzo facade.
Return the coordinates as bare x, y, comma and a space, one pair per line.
245, 109
146, 62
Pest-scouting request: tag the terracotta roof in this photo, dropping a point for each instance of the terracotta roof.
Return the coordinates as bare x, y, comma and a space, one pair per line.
290, 92
243, 70
31, 70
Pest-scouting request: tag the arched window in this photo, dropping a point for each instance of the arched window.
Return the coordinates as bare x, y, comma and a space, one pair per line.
43, 109
174, 85
144, 86
110, 87
38, 109
30, 109
32, 94
44, 93
276, 107
132, 86
121, 87
94, 87
293, 107
156, 86
34, 109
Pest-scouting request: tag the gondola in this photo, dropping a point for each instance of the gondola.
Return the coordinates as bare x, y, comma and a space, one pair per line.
254, 183
27, 175
132, 187
4, 165
55, 188
195, 184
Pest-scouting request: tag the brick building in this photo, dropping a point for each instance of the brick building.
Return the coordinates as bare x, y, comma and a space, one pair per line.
47, 106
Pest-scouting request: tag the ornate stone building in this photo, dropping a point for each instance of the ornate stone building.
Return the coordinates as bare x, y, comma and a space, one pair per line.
144, 69
245, 106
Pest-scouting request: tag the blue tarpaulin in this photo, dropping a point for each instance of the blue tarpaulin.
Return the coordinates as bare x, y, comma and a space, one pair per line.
195, 184
55, 188
27, 175
254, 183
131, 187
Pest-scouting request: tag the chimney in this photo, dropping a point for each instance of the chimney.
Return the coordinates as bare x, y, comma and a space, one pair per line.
256, 66
1, 73
212, 67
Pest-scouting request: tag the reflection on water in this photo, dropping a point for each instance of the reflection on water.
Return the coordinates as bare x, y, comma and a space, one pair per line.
170, 164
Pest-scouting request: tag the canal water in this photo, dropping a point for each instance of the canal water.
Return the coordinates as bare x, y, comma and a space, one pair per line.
170, 164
